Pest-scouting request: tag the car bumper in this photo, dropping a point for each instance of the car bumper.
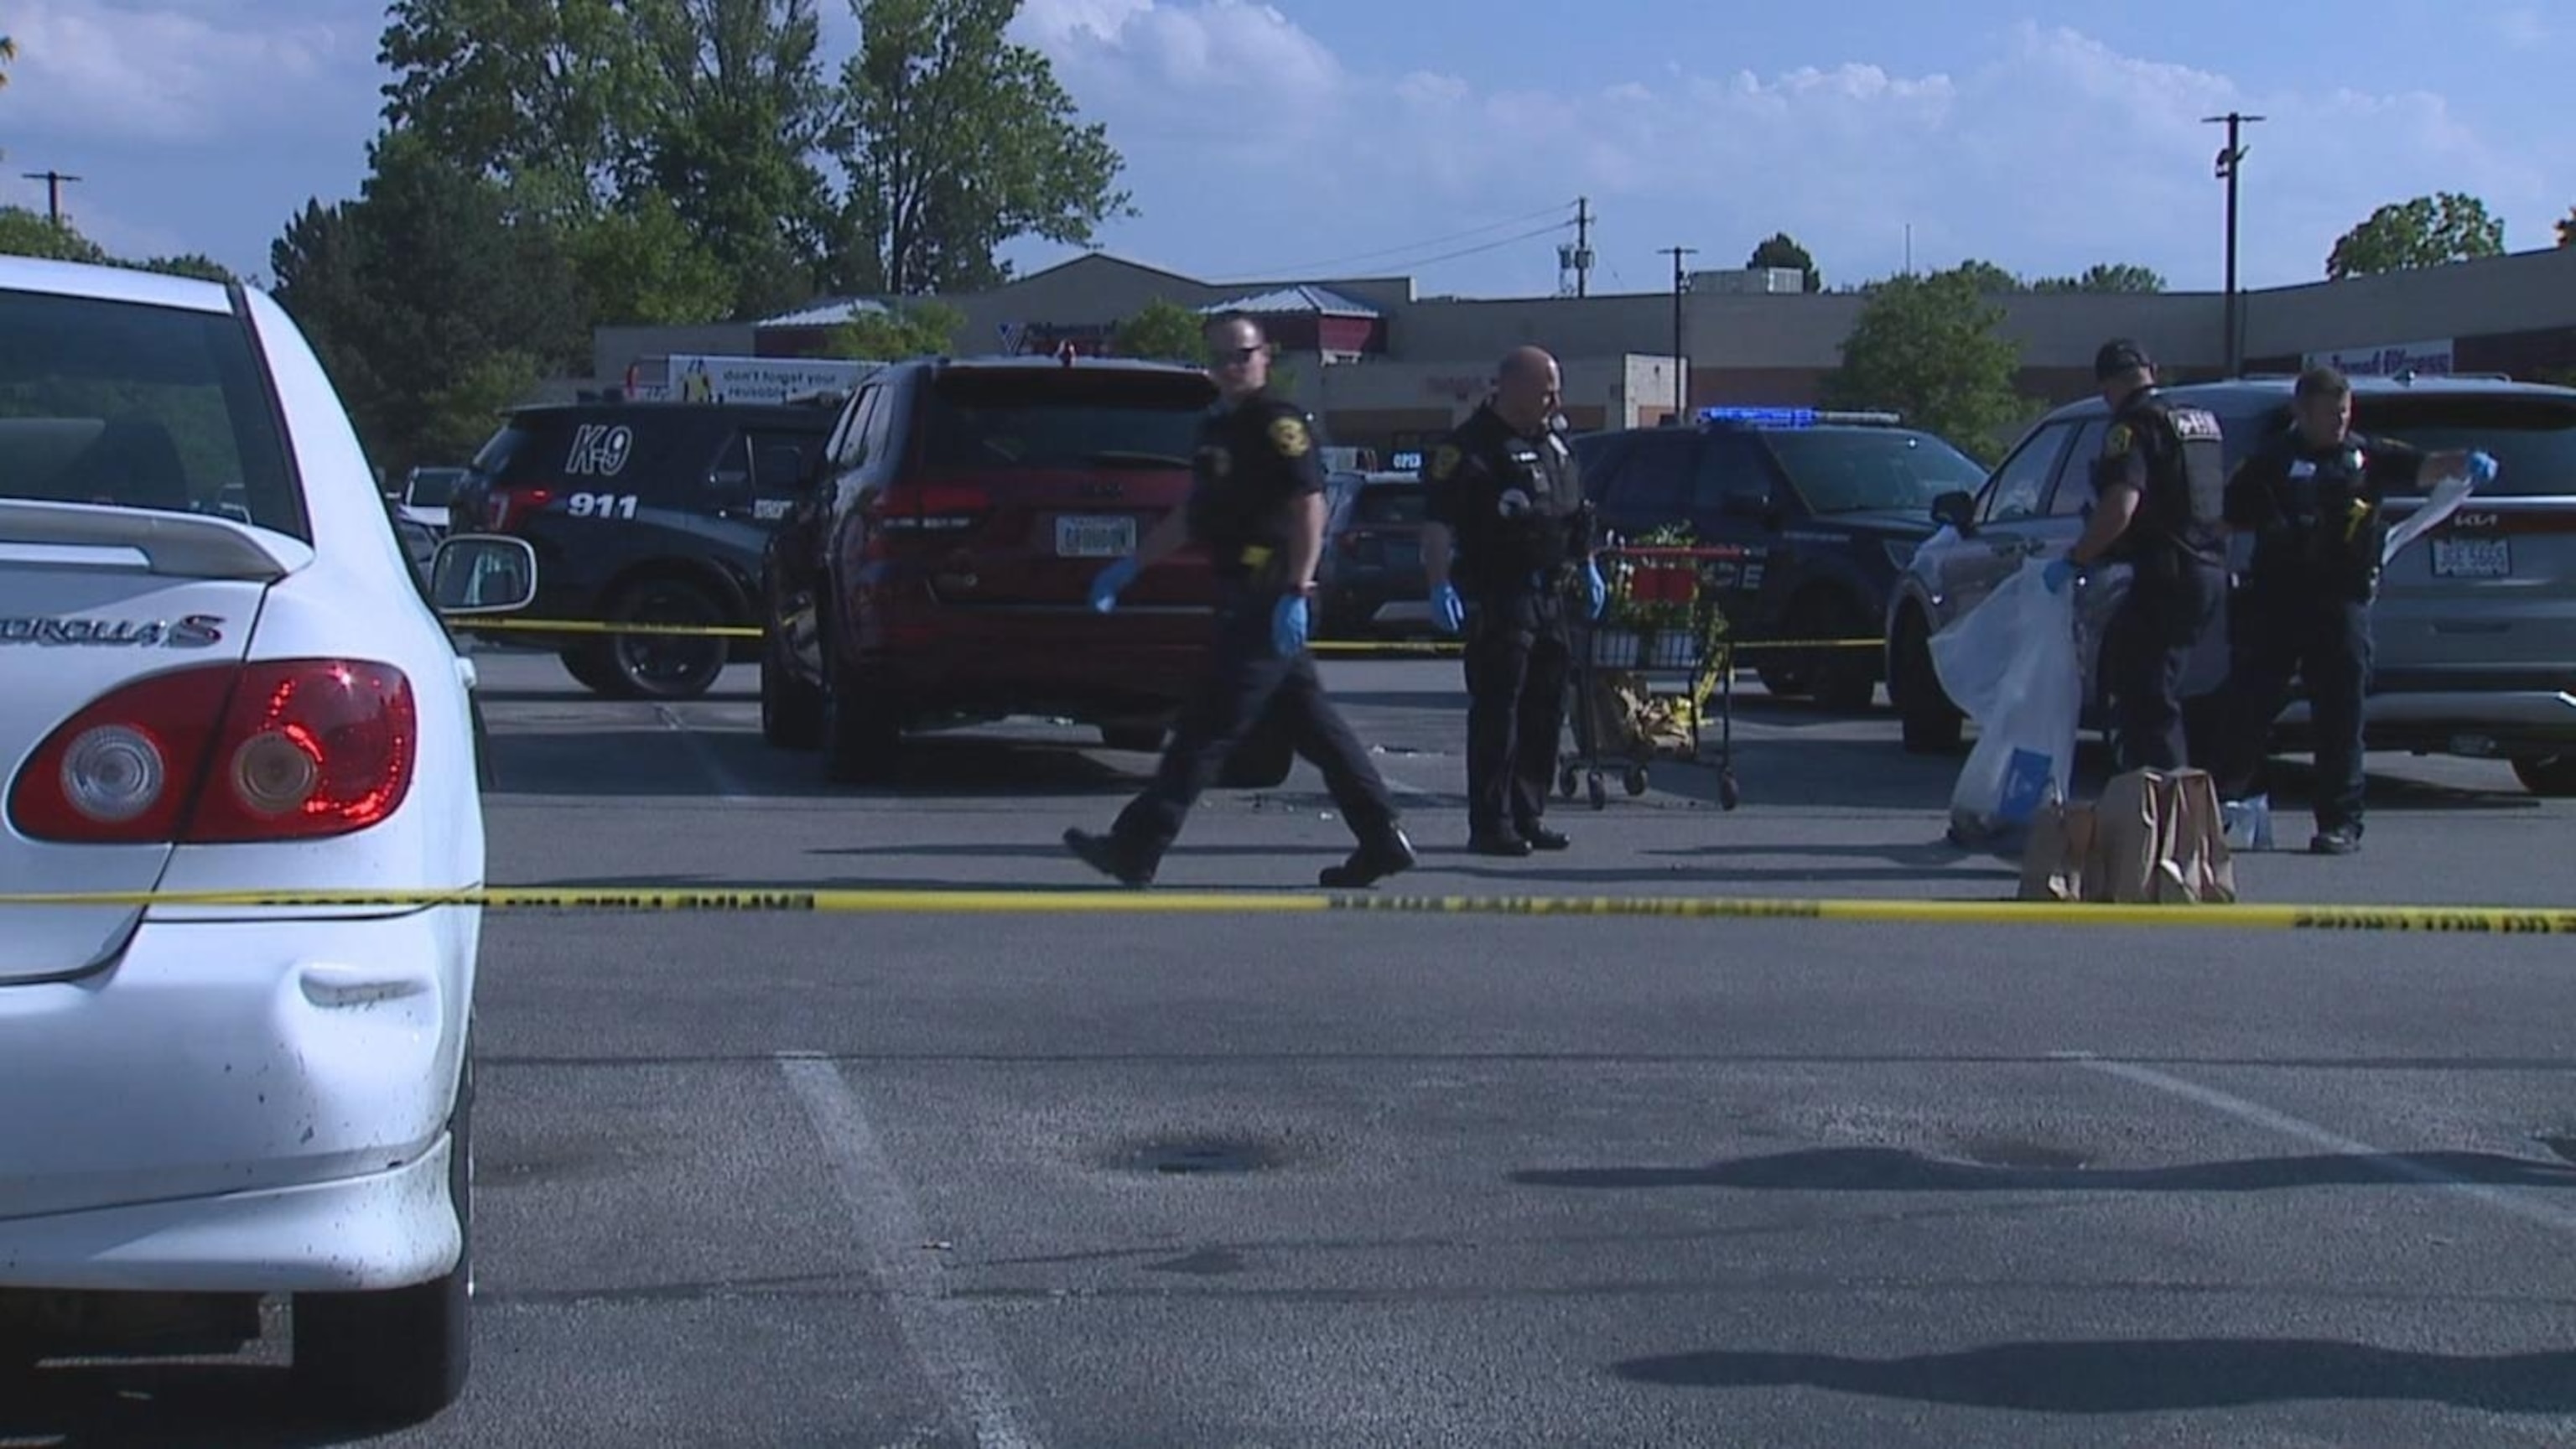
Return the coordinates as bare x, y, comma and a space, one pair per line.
238, 1106
2441, 722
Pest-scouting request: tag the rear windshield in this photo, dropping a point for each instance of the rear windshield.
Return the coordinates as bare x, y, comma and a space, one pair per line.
432, 487
139, 407
1857, 470
1071, 418
2533, 438
1397, 503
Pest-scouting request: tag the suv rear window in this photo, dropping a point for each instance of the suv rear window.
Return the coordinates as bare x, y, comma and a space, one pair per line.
1852, 470
2533, 438
140, 407
983, 419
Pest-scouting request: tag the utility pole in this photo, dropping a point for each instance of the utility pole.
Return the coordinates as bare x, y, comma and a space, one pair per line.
53, 191
1576, 261
2230, 162
1681, 363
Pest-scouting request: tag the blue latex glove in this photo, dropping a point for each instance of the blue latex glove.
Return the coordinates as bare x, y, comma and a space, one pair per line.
1288, 626
1447, 609
2059, 573
1112, 582
2482, 470
1595, 588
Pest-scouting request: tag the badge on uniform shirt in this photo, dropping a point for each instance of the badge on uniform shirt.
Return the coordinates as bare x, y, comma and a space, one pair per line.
2115, 443
1444, 461
1288, 435
2303, 469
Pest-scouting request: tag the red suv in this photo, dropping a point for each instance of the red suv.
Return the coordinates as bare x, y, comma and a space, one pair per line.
938, 568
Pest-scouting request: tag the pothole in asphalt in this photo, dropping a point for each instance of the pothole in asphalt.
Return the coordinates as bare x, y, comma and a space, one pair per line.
1201, 1157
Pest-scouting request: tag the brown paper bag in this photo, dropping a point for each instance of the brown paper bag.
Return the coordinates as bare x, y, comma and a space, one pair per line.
2061, 842
2154, 838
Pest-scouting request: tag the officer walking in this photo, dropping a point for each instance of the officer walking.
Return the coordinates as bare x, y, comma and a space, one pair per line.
2159, 489
1258, 507
1504, 492
2312, 497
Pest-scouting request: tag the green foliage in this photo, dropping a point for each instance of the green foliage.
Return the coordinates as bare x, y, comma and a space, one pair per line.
1989, 279
1782, 250
1163, 331
955, 141
1927, 347
424, 297
24, 233
2106, 277
642, 265
912, 329
193, 264
2428, 231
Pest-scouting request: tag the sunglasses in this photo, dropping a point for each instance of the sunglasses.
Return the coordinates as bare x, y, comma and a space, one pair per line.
1237, 356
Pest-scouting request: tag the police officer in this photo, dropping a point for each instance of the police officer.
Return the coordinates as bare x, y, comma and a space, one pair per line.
2159, 490
1503, 491
1258, 507
2311, 497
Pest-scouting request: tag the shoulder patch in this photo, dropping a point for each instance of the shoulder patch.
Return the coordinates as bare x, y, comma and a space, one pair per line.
1288, 435
2117, 442
1444, 461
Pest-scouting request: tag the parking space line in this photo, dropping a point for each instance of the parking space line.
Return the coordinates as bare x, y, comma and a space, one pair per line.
2283, 1124
729, 788
947, 1336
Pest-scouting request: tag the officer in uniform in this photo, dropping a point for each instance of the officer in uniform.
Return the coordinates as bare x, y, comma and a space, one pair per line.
1258, 507
2159, 490
1504, 492
2311, 497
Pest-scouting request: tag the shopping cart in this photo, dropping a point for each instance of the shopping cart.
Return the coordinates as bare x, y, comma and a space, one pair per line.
1662, 626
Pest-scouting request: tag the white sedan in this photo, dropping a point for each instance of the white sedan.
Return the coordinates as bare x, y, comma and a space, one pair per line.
220, 672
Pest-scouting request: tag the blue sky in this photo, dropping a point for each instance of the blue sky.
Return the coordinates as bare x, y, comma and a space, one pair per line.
1374, 137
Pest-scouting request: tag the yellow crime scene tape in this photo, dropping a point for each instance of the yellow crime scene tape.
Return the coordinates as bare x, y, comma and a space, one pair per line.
1321, 646
791, 899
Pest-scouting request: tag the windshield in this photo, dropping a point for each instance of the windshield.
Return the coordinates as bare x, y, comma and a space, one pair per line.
1854, 470
139, 406
433, 487
2533, 439
1067, 419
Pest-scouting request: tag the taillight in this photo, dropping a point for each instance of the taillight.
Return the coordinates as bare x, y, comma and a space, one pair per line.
935, 508
281, 750
506, 508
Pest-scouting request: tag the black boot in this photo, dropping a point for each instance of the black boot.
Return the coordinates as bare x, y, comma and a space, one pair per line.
1391, 854
1104, 854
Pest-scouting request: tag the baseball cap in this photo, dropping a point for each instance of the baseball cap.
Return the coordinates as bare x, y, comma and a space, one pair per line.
2118, 356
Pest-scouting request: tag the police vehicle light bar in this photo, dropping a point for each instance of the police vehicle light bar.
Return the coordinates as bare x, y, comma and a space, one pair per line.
1793, 417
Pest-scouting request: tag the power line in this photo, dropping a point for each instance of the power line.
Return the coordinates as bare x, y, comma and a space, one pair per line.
1550, 230
1559, 210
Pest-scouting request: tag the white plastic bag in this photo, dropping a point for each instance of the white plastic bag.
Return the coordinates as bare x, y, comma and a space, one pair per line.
2447, 497
2011, 665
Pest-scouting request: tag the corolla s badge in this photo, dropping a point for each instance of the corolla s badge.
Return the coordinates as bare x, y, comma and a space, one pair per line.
196, 631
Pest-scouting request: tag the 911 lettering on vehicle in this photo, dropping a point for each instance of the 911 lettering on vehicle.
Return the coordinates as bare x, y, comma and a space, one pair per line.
196, 631
601, 505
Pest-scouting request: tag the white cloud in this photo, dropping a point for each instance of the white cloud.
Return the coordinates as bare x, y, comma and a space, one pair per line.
2052, 152
168, 75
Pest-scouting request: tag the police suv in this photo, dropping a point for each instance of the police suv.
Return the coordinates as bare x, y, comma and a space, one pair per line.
645, 512
1828, 506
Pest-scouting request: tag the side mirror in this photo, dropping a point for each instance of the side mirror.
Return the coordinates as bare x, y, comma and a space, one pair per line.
1958, 510
482, 573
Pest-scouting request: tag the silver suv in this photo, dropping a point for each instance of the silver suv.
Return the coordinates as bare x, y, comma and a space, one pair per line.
2475, 629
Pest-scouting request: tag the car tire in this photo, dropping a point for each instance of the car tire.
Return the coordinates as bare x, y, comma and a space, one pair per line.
2552, 777
862, 731
666, 667
593, 669
791, 710
1930, 723
398, 1357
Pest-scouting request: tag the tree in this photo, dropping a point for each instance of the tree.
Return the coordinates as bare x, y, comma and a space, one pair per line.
1989, 279
193, 264
1782, 250
642, 265
547, 97
430, 303
1162, 330
911, 329
24, 233
1927, 347
2106, 277
2428, 231
956, 140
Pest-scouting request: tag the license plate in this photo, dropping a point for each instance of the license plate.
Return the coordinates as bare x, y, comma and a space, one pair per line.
2473, 558
1095, 537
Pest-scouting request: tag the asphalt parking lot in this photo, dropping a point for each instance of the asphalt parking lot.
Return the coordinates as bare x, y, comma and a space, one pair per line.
1375, 1179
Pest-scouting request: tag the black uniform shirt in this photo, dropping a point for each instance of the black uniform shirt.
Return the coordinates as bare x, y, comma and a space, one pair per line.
1512, 500
1254, 459
2314, 509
